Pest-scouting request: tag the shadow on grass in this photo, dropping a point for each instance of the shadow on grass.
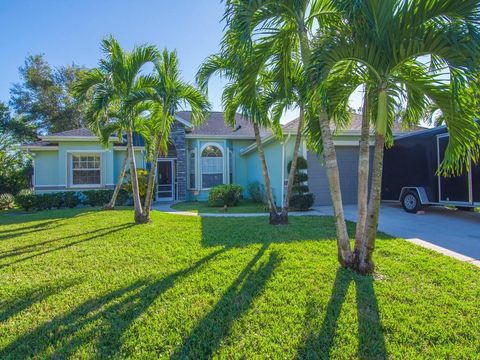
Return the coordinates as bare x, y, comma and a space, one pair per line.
57, 214
22, 302
318, 345
256, 230
37, 248
206, 337
102, 320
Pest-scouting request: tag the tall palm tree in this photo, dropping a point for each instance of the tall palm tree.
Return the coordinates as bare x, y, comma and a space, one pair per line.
404, 45
167, 95
291, 22
246, 92
113, 84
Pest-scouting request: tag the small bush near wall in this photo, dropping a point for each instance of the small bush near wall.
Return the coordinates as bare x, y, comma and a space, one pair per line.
142, 176
25, 201
221, 195
6, 201
67, 199
255, 192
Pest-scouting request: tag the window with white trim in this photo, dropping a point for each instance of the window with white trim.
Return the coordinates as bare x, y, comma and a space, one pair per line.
86, 170
191, 170
211, 166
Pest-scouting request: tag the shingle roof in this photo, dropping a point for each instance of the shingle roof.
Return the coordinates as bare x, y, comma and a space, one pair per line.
355, 125
215, 126
75, 132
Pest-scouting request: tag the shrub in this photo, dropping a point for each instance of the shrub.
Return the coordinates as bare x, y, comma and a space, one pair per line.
301, 198
25, 192
71, 199
43, 201
255, 192
25, 201
221, 195
302, 202
58, 200
142, 183
6, 201
97, 197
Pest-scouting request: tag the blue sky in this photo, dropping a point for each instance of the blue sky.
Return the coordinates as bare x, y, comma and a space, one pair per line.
68, 31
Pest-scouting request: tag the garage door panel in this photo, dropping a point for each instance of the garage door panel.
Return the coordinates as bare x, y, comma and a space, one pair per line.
347, 157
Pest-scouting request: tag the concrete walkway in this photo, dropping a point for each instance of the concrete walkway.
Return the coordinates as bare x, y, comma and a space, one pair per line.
451, 232
166, 208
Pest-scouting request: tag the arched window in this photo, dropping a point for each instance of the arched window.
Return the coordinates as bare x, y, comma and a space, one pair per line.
211, 166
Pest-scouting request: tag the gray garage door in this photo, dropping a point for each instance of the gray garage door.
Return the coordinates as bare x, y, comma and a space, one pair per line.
347, 157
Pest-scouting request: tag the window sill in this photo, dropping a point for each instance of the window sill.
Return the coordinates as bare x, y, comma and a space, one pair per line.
89, 186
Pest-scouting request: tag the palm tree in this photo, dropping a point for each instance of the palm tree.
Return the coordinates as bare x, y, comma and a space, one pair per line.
290, 23
404, 46
247, 91
113, 84
168, 93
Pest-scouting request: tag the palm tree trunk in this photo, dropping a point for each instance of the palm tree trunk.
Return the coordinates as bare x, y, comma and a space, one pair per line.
330, 156
366, 264
151, 181
266, 177
118, 186
293, 167
363, 170
139, 218
331, 165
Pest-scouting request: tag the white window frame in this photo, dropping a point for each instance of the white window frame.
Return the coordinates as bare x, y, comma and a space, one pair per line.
83, 153
200, 157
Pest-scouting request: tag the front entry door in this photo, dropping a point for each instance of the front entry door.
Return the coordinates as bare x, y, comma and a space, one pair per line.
165, 181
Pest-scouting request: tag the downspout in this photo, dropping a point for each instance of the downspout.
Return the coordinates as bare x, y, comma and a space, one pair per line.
283, 167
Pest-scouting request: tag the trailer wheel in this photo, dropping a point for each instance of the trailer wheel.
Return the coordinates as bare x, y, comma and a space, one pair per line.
411, 202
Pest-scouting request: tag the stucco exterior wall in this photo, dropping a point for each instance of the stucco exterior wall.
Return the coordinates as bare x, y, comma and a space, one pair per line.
273, 155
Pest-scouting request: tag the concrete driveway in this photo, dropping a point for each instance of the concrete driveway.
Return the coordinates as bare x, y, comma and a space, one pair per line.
457, 232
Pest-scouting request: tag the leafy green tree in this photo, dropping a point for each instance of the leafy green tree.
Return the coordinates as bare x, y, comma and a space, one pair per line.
15, 166
43, 101
112, 87
390, 40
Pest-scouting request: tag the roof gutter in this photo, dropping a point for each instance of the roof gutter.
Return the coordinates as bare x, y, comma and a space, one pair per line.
75, 138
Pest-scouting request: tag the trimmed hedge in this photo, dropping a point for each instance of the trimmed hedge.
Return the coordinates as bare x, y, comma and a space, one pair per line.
302, 202
227, 194
67, 199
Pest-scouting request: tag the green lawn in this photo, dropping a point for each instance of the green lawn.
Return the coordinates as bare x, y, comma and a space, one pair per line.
90, 284
202, 207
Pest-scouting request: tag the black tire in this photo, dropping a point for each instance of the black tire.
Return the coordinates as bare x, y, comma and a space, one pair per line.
411, 202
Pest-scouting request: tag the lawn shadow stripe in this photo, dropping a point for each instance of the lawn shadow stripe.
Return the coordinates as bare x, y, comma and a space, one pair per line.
111, 230
318, 345
31, 248
206, 337
22, 302
114, 312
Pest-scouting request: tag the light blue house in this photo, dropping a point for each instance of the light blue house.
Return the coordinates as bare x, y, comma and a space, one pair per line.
198, 159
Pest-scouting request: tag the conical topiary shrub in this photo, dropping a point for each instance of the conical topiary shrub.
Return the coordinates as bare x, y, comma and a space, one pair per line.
302, 199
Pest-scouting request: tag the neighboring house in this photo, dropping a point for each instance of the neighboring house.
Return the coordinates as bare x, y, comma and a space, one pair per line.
198, 159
